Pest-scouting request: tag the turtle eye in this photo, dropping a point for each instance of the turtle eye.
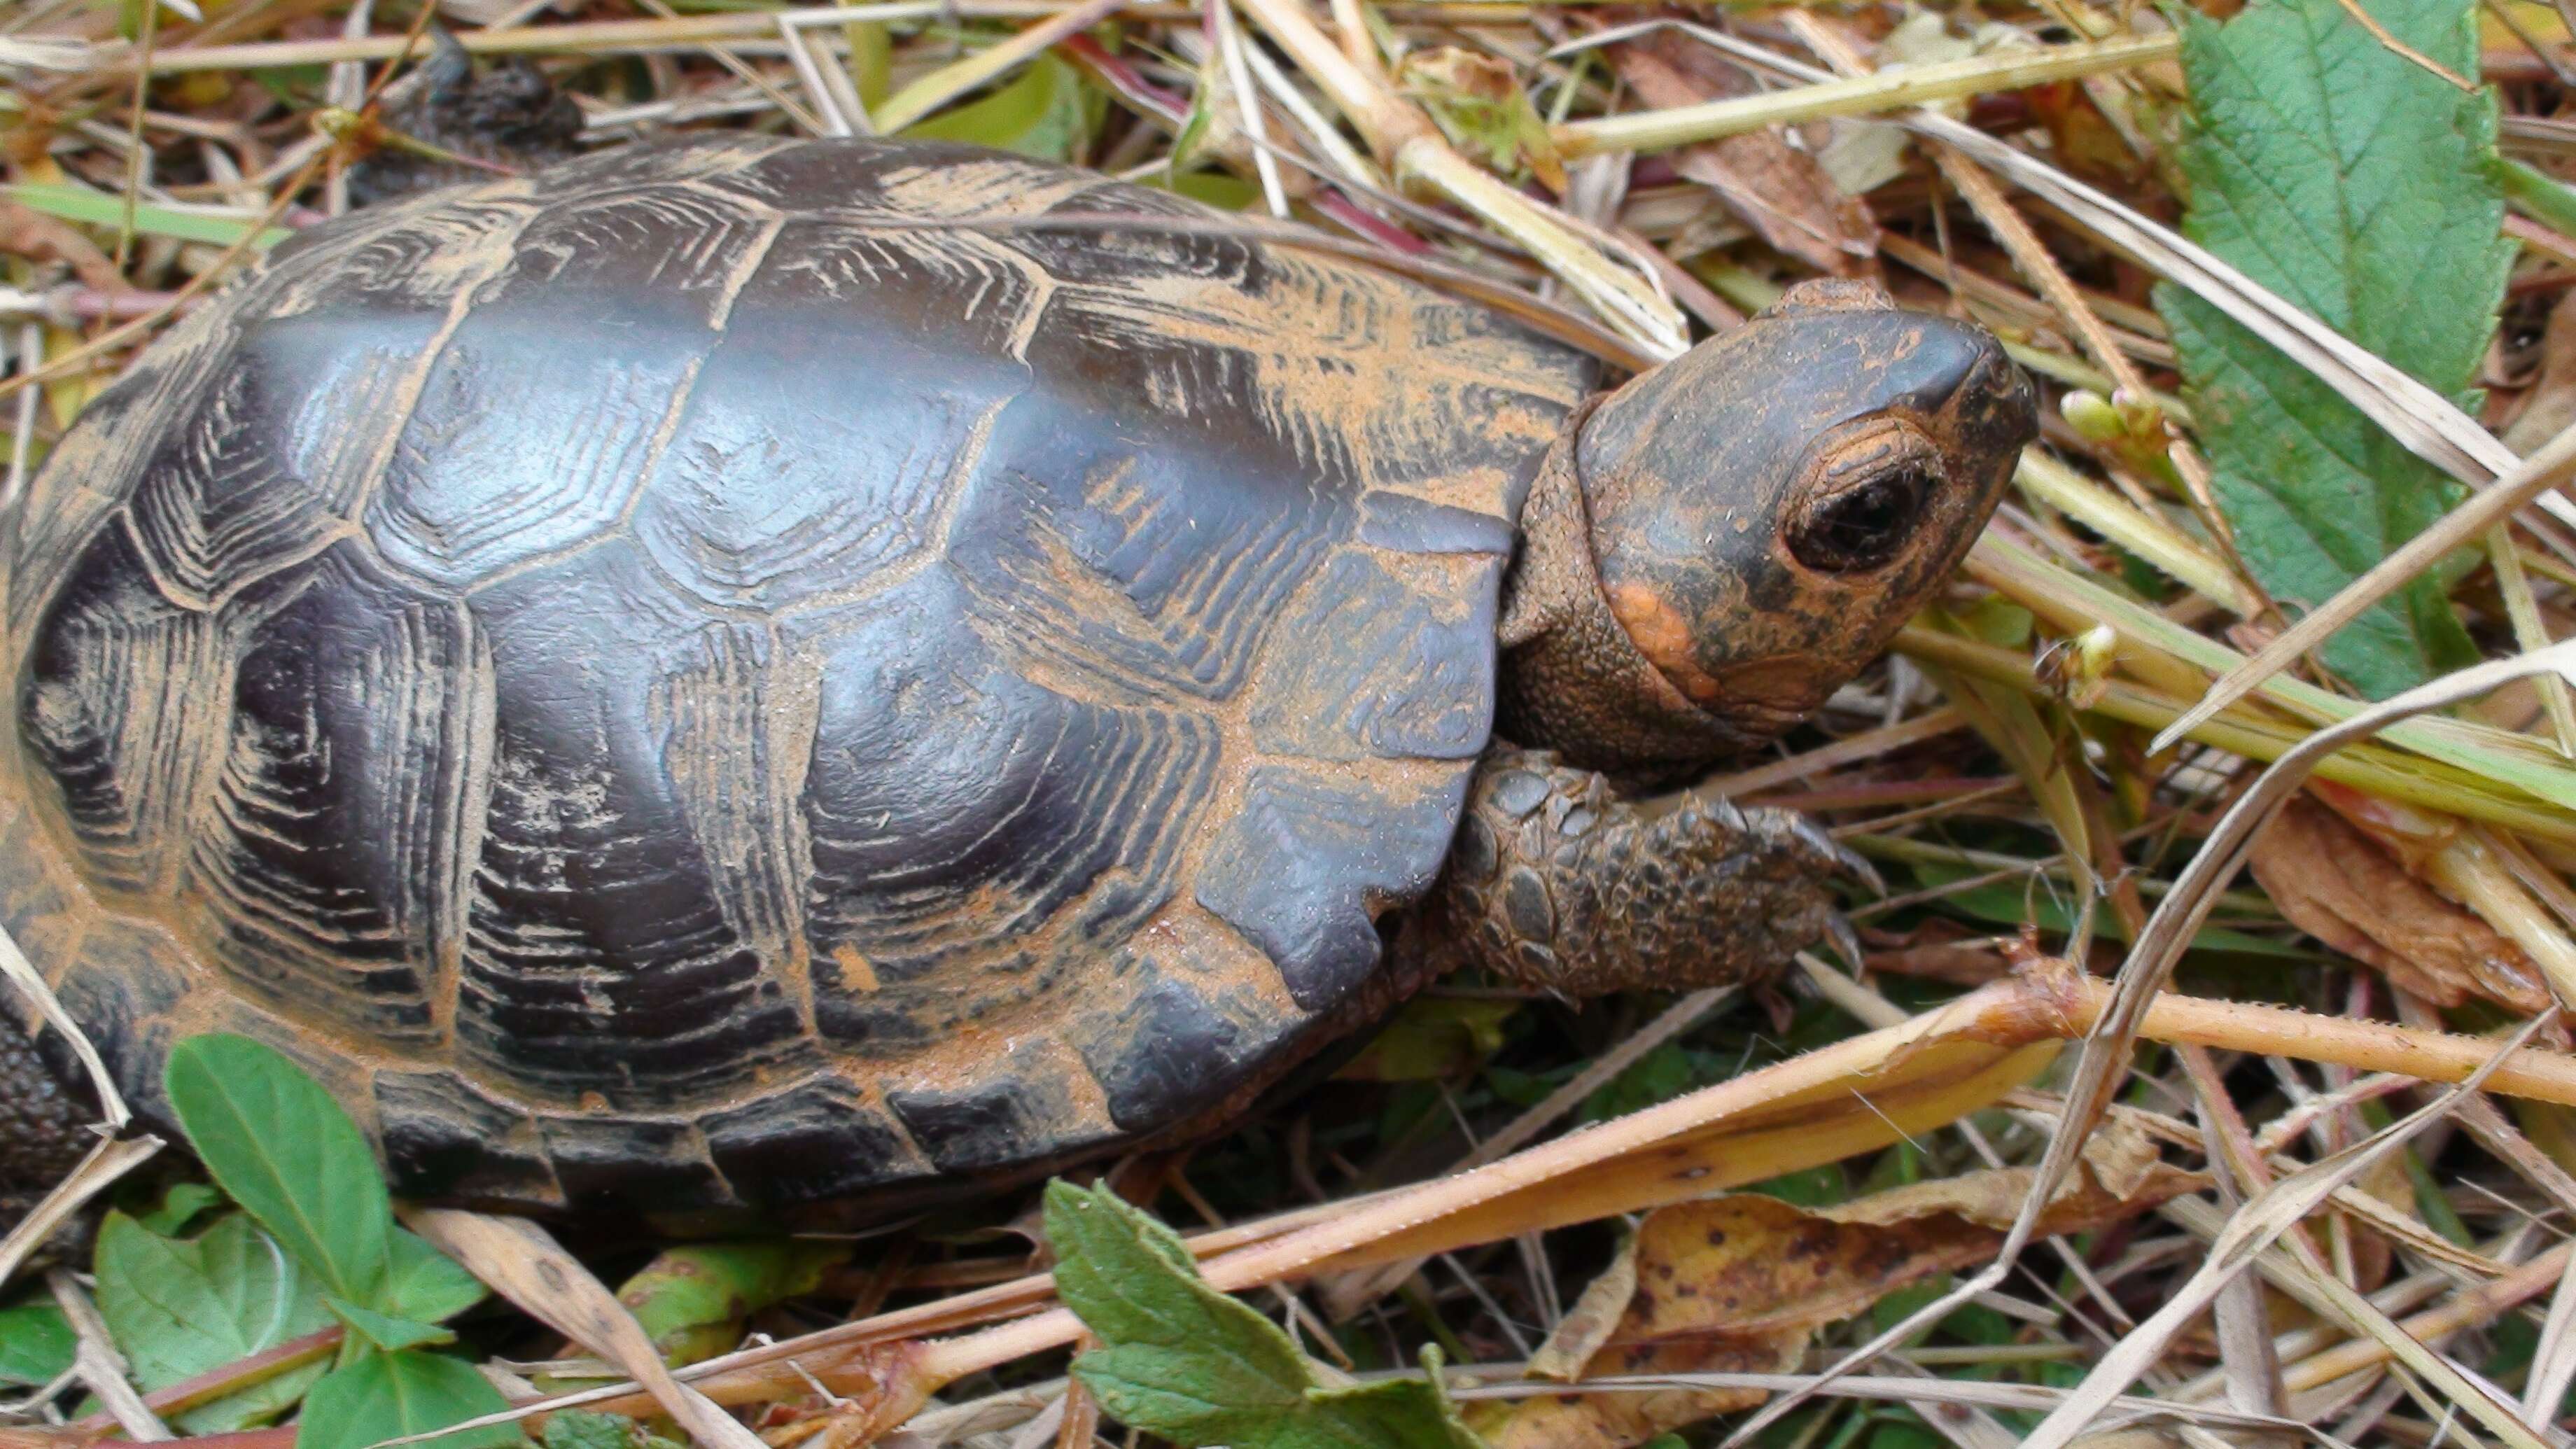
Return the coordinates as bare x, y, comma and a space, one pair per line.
1864, 527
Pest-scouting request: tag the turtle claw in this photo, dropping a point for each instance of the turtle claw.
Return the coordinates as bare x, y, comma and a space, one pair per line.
1846, 941
1835, 857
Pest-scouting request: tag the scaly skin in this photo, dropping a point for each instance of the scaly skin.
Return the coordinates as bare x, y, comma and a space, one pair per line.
1557, 883
44, 1127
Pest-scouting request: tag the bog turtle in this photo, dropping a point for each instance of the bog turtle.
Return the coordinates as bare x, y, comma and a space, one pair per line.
748, 670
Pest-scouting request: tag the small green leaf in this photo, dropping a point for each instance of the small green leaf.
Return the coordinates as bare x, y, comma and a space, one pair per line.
178, 1307
580, 1429
1197, 1367
286, 1152
383, 1396
692, 1300
2342, 175
1430, 1038
385, 1331
424, 1284
36, 1345
179, 1207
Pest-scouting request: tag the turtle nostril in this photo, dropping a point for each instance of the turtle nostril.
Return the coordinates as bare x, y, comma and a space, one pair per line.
1863, 528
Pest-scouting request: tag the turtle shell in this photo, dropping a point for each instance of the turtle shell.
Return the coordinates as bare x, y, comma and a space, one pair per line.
738, 672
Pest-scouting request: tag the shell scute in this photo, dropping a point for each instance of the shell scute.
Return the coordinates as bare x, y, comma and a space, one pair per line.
597, 956
323, 869
439, 1132
1303, 865
1017, 1109
819, 1139
1402, 680
632, 1164
782, 483
473, 488
965, 817
121, 701
1155, 1057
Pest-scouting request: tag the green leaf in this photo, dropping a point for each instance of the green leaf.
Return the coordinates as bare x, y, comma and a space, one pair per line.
178, 1307
385, 1331
1040, 113
180, 1207
1432, 1037
383, 1396
580, 1429
1198, 1368
286, 1152
2356, 184
424, 1284
36, 1345
692, 1300
100, 208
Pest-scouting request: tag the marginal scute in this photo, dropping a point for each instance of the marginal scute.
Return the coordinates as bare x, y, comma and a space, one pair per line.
1407, 524
443, 1137
1019, 1111
124, 991
818, 1139
1306, 865
1155, 1055
632, 1165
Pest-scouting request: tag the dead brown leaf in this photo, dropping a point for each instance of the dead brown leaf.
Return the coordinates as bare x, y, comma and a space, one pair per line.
1780, 191
1740, 1283
28, 233
2342, 887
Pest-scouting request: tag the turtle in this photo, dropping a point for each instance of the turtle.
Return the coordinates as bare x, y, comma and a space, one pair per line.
739, 671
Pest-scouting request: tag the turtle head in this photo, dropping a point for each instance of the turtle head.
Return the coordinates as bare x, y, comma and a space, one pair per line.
1758, 518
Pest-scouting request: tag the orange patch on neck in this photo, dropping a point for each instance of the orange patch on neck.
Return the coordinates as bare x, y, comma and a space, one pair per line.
1663, 634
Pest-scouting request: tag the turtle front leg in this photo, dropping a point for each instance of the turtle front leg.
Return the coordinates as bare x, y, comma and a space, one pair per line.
1557, 882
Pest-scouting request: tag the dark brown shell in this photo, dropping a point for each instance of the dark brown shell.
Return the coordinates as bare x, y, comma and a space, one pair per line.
673, 683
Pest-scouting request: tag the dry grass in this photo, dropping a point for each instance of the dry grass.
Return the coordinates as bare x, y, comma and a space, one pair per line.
2038, 772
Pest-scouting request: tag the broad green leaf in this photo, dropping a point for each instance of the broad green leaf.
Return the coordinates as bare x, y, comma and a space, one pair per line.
384, 1331
692, 1300
424, 1284
1194, 1366
2356, 184
383, 1396
178, 1307
286, 1152
1040, 113
36, 1345
101, 208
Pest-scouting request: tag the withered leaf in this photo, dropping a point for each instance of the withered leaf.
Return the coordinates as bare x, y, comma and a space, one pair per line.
1780, 191
1741, 1283
2340, 886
